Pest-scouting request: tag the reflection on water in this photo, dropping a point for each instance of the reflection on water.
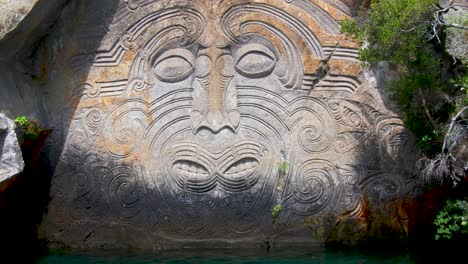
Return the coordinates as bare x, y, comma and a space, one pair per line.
209, 256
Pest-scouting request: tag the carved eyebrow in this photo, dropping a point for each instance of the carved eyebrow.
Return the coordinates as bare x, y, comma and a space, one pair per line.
255, 48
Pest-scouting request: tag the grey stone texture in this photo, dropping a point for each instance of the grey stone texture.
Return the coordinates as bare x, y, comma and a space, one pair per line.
12, 13
456, 43
20, 94
11, 159
171, 119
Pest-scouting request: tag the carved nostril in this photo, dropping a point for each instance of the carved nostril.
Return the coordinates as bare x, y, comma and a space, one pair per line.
214, 118
234, 118
215, 121
197, 119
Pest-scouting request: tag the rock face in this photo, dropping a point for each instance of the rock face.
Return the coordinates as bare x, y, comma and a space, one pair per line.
12, 13
186, 122
11, 159
457, 39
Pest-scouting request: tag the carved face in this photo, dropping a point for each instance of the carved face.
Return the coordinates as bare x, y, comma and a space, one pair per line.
224, 97
223, 152
190, 107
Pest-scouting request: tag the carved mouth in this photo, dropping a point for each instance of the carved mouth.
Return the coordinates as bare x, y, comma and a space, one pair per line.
190, 169
198, 170
192, 176
241, 168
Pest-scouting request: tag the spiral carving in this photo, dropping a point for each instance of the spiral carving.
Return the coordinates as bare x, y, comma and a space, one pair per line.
126, 192
137, 84
120, 137
312, 138
316, 185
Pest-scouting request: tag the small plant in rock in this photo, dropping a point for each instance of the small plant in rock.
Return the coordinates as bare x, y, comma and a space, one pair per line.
452, 220
29, 127
276, 210
282, 167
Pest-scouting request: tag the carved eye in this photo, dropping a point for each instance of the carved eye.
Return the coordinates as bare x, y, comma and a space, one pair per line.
174, 65
255, 61
242, 168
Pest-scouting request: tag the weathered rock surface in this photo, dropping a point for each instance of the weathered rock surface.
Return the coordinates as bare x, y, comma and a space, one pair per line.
171, 120
12, 13
457, 38
11, 159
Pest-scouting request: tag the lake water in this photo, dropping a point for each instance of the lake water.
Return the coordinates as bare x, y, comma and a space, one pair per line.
234, 256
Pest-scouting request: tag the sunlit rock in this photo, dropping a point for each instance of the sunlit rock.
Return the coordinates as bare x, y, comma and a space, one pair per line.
11, 159
12, 13
184, 123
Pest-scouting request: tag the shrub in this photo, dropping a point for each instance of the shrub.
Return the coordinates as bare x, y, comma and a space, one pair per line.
452, 220
29, 127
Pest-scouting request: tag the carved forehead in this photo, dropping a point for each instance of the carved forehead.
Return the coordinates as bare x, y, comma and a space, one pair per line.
302, 21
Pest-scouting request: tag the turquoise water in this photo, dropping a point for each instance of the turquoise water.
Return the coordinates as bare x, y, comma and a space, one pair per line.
296, 256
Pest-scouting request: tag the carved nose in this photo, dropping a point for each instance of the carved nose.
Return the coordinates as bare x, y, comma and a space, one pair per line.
214, 104
215, 121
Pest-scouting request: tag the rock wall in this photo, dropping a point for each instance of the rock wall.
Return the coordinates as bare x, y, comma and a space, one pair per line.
11, 160
184, 123
23, 26
12, 12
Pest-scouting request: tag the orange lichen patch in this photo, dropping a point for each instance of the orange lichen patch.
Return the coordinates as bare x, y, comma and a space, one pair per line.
311, 64
344, 67
333, 40
284, 28
374, 221
333, 12
302, 18
339, 41
349, 42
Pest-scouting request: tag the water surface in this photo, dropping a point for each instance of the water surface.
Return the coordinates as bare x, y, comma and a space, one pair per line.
234, 256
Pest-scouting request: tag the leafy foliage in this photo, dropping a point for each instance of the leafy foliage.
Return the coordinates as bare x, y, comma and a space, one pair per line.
21, 120
401, 32
452, 220
391, 30
29, 127
276, 210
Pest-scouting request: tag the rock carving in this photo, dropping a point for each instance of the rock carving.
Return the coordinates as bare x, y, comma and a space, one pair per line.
189, 107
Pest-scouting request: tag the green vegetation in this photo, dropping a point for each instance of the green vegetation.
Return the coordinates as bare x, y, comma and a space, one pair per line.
425, 44
21, 120
409, 34
391, 30
452, 220
29, 127
282, 167
276, 211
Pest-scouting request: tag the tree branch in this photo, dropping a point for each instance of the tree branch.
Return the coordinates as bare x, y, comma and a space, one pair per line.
426, 109
439, 21
452, 123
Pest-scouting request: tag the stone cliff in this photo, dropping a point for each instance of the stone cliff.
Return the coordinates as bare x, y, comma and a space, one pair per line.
184, 123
